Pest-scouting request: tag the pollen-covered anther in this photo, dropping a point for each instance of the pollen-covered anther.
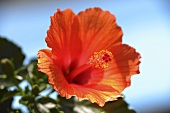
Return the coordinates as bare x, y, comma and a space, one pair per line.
101, 59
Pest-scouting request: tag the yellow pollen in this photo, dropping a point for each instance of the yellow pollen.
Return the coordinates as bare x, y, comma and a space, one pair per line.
101, 59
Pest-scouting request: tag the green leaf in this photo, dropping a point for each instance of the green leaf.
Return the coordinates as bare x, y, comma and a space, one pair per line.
47, 104
117, 106
26, 99
11, 51
11, 58
5, 94
27, 90
44, 100
15, 111
7, 77
35, 90
6, 105
7, 67
67, 105
74, 106
34, 76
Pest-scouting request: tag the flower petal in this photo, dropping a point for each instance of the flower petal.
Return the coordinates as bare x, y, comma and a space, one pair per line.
118, 74
61, 36
98, 30
109, 77
127, 60
44, 62
95, 93
55, 75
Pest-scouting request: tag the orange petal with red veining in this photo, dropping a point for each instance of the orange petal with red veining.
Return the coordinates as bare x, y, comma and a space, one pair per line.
98, 30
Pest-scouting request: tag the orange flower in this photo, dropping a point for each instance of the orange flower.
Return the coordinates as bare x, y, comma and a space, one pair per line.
87, 58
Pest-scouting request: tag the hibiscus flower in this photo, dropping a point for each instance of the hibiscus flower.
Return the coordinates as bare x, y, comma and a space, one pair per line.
87, 58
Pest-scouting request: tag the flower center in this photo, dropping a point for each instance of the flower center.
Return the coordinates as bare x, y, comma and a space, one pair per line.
101, 59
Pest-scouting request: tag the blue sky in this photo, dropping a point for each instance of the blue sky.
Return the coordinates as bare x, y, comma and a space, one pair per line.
146, 26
